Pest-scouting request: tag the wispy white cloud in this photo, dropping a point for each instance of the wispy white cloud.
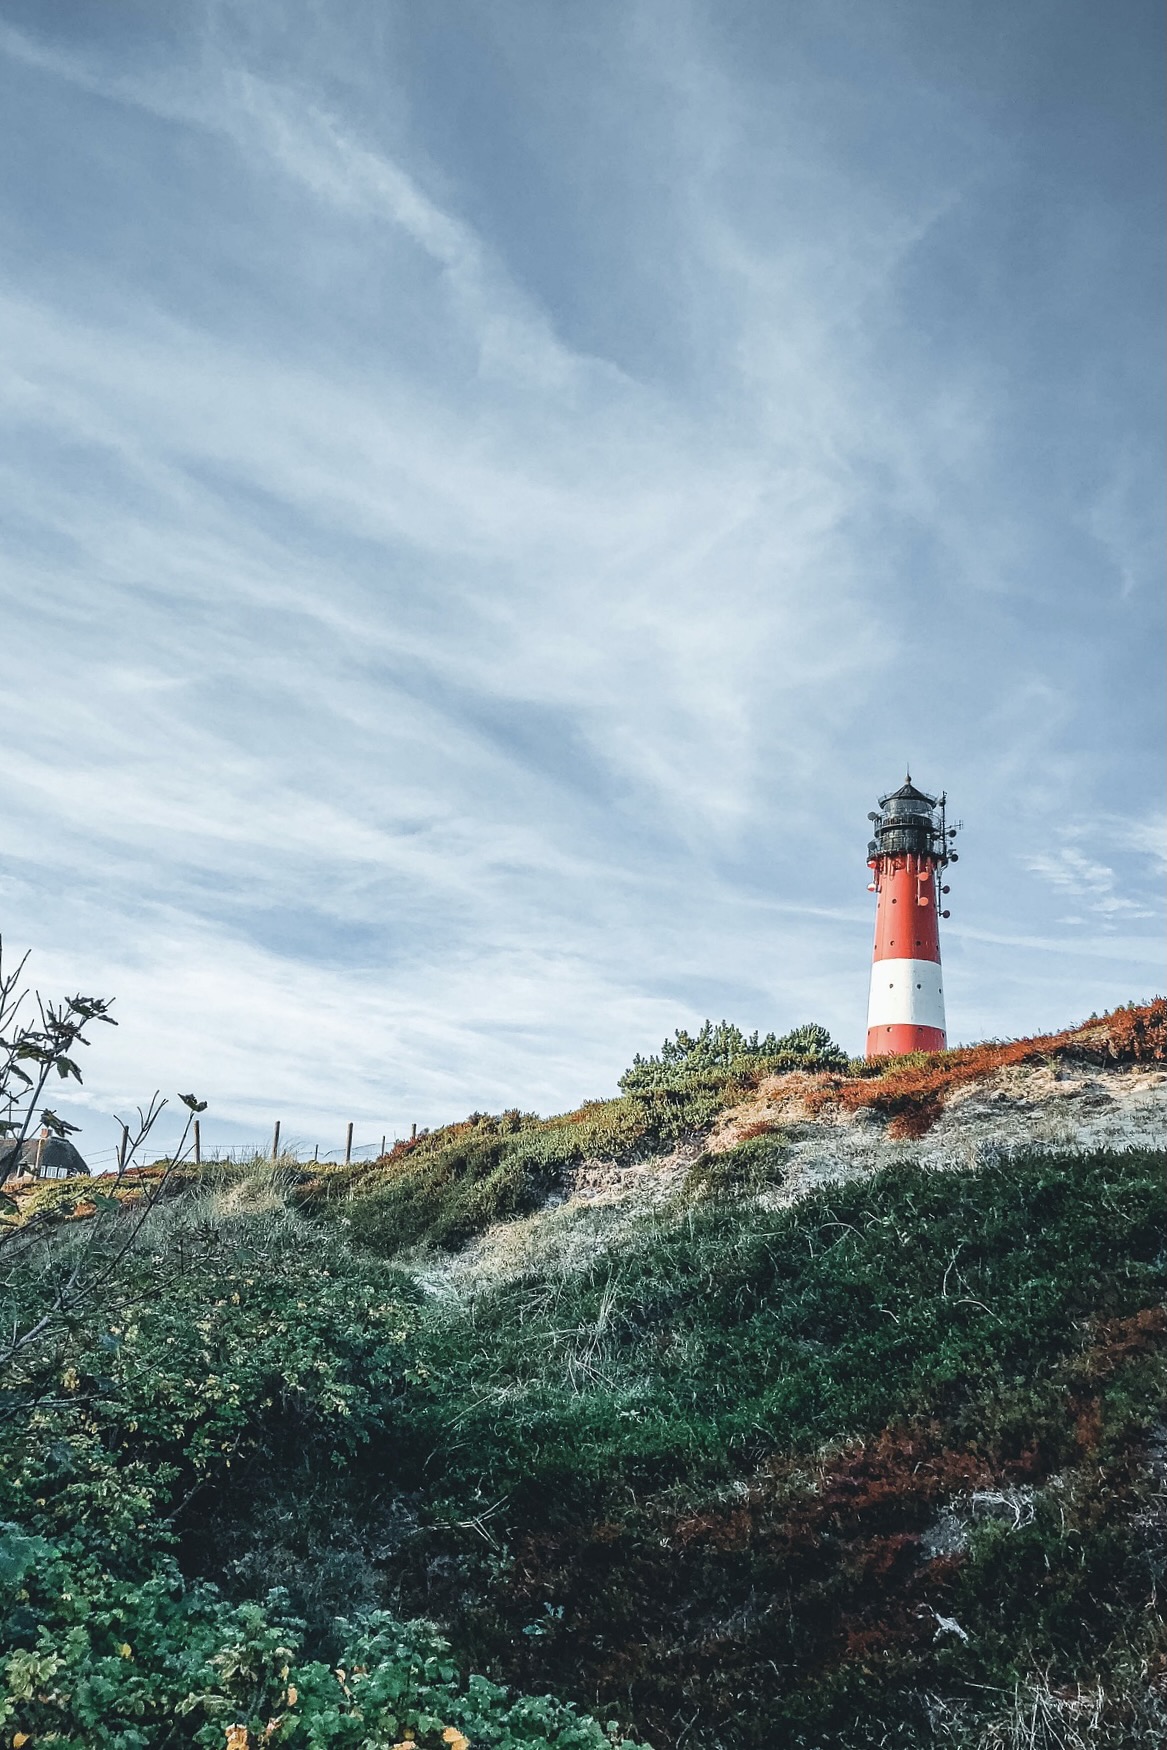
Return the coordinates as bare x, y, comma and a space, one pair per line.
1146, 836
1098, 887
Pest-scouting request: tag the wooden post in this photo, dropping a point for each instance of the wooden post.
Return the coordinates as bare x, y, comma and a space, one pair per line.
275, 1142
348, 1144
413, 1134
382, 1145
198, 1146
316, 1152
123, 1148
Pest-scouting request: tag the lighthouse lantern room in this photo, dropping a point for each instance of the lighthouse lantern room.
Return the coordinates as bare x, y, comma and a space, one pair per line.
911, 847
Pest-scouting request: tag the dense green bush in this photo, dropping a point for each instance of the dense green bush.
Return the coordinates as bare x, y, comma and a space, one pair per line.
91, 1662
442, 1196
722, 1046
235, 1347
220, 1340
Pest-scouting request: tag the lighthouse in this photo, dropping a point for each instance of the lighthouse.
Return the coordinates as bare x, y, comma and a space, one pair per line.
912, 845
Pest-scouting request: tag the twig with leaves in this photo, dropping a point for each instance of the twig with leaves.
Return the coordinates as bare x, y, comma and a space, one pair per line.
47, 1041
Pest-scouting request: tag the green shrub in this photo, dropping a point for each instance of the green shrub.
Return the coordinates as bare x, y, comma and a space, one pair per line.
442, 1197
90, 1662
739, 1172
228, 1347
234, 1350
725, 1047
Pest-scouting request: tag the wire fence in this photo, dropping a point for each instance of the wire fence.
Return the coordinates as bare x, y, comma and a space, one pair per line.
268, 1147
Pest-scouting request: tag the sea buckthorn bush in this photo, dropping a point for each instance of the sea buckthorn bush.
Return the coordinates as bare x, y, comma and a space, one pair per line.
221, 1357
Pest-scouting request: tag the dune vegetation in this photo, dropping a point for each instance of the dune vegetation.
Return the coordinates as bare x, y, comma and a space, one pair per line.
884, 1464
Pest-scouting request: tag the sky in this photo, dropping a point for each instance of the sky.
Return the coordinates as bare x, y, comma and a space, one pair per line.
494, 492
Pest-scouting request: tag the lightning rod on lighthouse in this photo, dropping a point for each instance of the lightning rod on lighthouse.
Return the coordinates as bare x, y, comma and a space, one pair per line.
912, 845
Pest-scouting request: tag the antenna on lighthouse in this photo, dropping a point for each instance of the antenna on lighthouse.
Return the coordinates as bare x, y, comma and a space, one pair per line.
912, 844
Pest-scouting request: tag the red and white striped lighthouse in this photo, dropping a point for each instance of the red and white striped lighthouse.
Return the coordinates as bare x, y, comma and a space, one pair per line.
911, 846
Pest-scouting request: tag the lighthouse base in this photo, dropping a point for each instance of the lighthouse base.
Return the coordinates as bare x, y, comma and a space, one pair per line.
894, 1040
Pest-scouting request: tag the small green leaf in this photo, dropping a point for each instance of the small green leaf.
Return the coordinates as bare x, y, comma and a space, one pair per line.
57, 1126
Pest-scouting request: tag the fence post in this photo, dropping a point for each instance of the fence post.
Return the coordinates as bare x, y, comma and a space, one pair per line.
275, 1142
413, 1133
348, 1144
198, 1145
123, 1148
382, 1145
316, 1152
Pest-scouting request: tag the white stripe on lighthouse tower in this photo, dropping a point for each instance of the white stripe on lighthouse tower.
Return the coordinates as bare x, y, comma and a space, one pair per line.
906, 993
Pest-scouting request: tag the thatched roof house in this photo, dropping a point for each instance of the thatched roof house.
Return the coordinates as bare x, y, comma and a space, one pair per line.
41, 1157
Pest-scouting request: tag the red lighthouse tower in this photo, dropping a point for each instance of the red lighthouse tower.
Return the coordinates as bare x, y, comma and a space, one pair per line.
912, 844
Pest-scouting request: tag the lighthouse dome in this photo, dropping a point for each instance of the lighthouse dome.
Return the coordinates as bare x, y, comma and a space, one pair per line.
908, 800
907, 823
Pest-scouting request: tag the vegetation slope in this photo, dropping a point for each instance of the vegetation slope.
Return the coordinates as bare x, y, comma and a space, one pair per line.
884, 1464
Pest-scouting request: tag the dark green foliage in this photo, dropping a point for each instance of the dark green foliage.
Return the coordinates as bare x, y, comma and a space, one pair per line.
725, 1047
445, 1198
229, 1349
219, 1341
95, 1663
599, 1416
737, 1333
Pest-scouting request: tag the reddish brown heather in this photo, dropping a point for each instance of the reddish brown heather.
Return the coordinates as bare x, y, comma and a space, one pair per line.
817, 1564
702, 1595
1116, 1340
911, 1091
